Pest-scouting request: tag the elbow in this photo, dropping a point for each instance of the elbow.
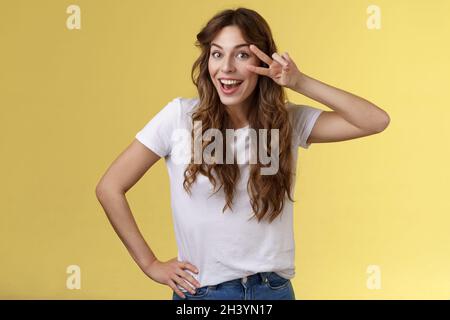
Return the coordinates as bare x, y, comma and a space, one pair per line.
104, 191
382, 123
99, 191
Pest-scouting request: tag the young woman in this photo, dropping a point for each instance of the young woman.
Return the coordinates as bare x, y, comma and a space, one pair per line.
233, 223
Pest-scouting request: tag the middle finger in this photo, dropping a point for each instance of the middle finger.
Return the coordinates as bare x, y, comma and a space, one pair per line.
182, 282
279, 59
260, 54
190, 278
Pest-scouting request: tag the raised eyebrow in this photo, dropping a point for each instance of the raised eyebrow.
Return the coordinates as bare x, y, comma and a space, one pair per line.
235, 47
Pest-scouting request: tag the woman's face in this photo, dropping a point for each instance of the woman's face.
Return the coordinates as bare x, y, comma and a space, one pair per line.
227, 59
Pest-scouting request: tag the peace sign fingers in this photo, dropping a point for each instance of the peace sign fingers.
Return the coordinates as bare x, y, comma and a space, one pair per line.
259, 70
279, 59
261, 55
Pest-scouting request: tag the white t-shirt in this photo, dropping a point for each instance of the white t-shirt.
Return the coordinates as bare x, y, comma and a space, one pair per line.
223, 245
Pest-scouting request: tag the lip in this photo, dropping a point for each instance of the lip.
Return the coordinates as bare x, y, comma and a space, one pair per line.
231, 91
223, 78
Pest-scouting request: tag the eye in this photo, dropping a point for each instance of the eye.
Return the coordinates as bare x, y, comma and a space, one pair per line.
242, 52
213, 54
246, 54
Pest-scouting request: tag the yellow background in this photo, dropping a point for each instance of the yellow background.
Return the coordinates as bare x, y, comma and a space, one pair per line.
72, 100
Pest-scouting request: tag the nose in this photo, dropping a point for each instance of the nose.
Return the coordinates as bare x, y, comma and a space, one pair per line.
228, 66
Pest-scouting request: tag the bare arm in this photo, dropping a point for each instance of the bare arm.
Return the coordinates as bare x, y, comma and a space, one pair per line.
123, 173
352, 116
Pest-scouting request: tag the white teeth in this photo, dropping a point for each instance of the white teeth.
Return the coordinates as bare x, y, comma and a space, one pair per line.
230, 81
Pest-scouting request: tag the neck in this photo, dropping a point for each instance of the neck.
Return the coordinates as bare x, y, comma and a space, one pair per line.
238, 115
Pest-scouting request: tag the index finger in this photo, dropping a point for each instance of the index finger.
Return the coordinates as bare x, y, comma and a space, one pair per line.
259, 70
260, 54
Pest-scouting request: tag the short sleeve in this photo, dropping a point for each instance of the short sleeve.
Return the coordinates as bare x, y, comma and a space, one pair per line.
157, 133
303, 120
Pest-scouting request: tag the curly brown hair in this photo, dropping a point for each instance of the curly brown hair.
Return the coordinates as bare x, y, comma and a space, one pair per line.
267, 192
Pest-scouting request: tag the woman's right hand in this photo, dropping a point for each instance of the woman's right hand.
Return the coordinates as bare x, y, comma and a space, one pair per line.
171, 273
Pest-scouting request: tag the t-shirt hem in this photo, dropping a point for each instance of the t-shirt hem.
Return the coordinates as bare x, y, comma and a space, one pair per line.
226, 279
139, 136
308, 129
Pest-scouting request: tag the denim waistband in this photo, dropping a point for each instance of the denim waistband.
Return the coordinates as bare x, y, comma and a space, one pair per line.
247, 281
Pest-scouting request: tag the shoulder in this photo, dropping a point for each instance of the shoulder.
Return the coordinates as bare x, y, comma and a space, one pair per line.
177, 109
184, 106
294, 110
300, 109
182, 103
185, 101
302, 113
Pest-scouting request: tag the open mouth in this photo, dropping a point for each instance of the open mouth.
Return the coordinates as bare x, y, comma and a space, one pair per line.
230, 88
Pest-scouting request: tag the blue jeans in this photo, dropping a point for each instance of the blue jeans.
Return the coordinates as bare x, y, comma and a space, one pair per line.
259, 286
